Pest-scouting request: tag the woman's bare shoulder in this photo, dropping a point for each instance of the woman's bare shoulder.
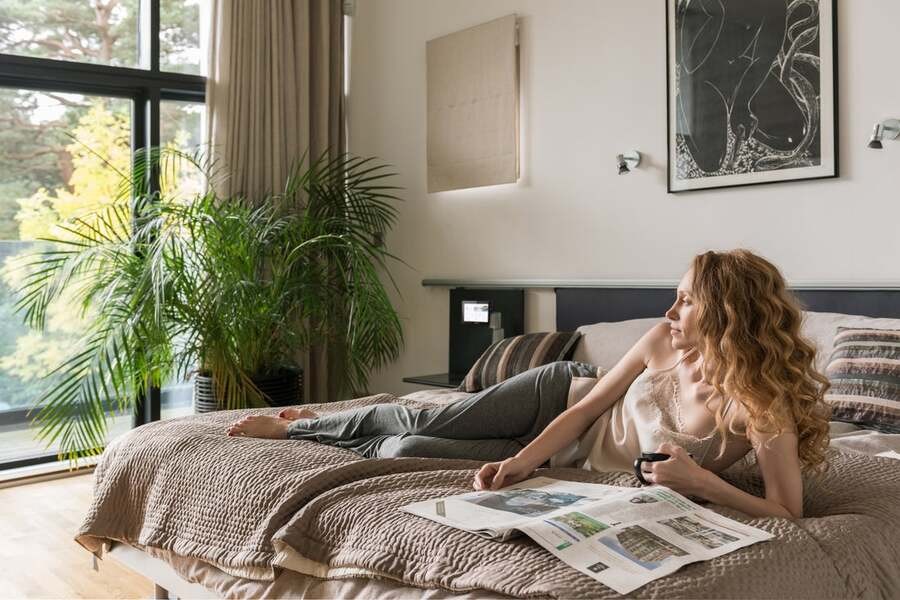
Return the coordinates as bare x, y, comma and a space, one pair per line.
658, 349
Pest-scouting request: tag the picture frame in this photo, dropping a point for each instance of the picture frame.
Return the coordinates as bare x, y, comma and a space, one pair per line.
749, 102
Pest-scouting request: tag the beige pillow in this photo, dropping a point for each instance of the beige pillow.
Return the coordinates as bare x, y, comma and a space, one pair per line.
604, 344
579, 388
575, 453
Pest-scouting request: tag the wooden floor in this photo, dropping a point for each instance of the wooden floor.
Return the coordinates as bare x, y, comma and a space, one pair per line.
39, 558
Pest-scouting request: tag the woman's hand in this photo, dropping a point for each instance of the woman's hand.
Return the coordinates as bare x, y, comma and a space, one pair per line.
496, 475
679, 472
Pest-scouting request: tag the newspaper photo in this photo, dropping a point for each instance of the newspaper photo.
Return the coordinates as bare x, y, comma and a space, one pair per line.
623, 537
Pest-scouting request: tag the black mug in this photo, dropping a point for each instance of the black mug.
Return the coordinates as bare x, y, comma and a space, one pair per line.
647, 457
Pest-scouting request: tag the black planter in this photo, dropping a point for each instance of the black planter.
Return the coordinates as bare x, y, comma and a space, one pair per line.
283, 389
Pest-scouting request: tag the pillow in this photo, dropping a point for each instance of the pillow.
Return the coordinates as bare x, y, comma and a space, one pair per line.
864, 371
820, 327
513, 355
576, 452
604, 344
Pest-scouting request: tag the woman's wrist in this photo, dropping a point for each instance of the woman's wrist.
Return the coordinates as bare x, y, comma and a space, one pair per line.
529, 461
707, 485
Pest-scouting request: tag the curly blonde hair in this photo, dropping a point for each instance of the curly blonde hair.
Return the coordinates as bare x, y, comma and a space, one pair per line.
749, 330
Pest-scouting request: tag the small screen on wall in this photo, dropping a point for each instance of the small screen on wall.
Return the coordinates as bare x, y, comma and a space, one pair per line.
475, 312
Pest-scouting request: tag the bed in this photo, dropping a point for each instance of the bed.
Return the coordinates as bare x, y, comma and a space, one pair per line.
201, 514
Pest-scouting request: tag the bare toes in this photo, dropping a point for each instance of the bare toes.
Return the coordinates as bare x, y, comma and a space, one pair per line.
293, 414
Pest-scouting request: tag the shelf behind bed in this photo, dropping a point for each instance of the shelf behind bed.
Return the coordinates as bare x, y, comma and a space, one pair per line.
586, 305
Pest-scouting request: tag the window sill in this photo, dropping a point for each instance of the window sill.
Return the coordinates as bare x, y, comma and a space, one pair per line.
45, 472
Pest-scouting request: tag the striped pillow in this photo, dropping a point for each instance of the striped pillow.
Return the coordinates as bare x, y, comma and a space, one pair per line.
864, 370
513, 355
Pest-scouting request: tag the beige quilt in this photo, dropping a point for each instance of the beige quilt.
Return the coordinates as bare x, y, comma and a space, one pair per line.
251, 506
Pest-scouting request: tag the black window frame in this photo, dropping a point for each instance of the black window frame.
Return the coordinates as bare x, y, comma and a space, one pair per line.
147, 88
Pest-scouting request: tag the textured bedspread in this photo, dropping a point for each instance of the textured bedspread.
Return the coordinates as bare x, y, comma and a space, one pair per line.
183, 486
847, 546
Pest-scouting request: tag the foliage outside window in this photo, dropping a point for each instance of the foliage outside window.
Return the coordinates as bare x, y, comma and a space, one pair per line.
47, 177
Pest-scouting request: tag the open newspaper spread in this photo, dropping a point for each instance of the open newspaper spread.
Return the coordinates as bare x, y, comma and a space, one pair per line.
623, 537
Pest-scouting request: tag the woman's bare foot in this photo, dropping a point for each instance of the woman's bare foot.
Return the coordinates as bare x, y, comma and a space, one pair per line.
292, 414
261, 426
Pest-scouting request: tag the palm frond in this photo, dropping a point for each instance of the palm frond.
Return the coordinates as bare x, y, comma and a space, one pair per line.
230, 286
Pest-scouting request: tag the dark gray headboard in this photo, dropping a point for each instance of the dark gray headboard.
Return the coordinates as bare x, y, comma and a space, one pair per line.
583, 306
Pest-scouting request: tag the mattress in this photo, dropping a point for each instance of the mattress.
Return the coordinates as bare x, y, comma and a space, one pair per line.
288, 584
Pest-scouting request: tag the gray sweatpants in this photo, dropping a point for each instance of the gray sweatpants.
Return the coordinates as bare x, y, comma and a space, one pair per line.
493, 424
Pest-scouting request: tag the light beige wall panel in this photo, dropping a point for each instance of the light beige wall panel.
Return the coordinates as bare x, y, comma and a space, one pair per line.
472, 97
593, 84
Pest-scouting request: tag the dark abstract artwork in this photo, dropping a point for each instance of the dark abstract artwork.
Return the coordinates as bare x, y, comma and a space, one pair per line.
751, 92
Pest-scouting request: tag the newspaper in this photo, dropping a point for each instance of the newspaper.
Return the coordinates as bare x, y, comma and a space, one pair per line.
621, 536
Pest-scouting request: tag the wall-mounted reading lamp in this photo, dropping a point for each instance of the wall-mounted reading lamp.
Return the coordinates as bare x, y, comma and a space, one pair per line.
628, 161
888, 129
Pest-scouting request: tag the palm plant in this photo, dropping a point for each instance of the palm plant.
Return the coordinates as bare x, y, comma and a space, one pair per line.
232, 287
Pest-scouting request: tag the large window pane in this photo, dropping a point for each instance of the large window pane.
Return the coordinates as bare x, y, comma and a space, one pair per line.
177, 399
182, 35
47, 177
182, 127
93, 31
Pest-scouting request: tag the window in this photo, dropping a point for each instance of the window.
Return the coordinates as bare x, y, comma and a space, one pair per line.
103, 32
78, 77
46, 178
182, 42
183, 127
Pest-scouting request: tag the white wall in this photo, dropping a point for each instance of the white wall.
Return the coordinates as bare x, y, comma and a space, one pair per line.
594, 85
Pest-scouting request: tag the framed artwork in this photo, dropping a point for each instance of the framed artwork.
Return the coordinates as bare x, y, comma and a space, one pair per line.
752, 92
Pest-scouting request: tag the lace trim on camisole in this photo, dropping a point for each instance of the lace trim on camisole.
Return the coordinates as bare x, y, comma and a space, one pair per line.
642, 419
665, 398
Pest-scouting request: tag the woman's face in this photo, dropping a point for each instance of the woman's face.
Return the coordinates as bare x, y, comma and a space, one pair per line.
682, 315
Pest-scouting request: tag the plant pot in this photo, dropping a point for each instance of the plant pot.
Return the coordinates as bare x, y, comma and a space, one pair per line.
282, 389
204, 395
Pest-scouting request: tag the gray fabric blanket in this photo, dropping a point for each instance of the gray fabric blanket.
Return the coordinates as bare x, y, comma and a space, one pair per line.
184, 486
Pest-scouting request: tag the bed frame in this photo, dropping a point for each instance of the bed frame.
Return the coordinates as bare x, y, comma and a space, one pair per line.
582, 306
167, 583
574, 307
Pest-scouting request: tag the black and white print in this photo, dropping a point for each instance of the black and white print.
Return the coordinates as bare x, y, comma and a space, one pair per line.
751, 92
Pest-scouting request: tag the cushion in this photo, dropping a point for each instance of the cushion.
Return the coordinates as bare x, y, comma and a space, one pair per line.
513, 355
603, 344
820, 329
577, 451
864, 371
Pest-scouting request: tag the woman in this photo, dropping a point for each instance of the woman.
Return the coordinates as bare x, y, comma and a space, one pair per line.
727, 365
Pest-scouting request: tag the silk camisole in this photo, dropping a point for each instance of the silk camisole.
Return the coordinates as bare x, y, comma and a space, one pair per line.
646, 416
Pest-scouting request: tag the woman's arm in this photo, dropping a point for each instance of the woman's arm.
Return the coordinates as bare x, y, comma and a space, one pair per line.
778, 461
576, 420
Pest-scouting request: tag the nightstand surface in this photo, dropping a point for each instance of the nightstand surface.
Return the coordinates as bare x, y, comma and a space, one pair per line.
444, 380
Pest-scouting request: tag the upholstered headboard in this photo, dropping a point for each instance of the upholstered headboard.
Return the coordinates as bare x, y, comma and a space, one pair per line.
605, 315
583, 306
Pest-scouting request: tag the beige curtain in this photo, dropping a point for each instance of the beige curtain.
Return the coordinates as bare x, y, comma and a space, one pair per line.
275, 91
